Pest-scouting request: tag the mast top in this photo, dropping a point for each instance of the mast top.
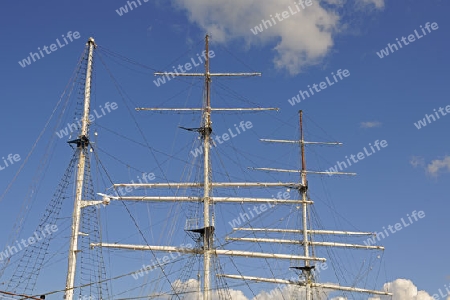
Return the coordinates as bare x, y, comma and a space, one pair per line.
92, 41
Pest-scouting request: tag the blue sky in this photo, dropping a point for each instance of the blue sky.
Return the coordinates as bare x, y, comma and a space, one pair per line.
381, 99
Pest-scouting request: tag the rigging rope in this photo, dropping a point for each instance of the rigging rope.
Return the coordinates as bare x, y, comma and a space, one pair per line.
28, 269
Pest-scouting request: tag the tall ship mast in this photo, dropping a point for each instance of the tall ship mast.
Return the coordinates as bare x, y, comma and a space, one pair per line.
295, 270
82, 143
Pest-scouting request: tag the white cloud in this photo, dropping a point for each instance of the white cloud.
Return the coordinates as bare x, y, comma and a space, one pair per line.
301, 40
379, 4
190, 291
370, 124
404, 289
437, 165
417, 161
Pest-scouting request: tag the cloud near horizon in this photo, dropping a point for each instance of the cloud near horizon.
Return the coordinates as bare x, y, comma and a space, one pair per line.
402, 289
299, 41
